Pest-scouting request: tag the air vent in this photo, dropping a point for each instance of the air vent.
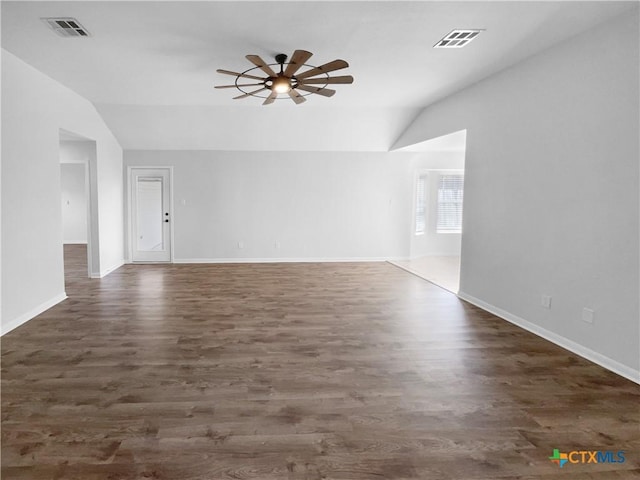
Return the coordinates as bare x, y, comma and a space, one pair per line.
66, 27
457, 39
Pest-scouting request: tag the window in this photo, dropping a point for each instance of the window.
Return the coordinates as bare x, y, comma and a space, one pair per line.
450, 190
421, 191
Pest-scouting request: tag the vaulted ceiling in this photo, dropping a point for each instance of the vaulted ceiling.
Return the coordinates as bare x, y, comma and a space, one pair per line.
150, 67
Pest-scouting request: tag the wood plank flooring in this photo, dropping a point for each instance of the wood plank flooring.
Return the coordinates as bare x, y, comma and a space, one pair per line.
296, 371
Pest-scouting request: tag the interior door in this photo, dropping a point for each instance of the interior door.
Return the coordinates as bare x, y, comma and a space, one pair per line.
150, 214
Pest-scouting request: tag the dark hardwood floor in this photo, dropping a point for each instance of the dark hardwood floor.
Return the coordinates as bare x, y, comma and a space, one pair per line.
296, 371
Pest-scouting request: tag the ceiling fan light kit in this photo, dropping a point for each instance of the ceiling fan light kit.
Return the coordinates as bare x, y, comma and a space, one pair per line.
286, 81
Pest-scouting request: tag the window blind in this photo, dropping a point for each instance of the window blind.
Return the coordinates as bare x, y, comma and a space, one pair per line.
450, 192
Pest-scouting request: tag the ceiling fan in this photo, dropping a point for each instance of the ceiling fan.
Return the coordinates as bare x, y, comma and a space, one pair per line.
287, 80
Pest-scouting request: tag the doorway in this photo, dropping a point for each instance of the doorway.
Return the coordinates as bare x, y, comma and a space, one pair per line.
77, 155
436, 211
437, 235
150, 210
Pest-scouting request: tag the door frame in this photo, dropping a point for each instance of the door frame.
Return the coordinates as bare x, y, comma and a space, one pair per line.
130, 215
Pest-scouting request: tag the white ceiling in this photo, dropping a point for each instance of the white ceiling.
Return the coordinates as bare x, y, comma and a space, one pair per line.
148, 59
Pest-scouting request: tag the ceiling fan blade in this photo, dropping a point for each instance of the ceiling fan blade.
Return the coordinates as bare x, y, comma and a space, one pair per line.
296, 97
258, 62
271, 98
236, 74
327, 80
298, 59
325, 92
326, 68
250, 93
239, 85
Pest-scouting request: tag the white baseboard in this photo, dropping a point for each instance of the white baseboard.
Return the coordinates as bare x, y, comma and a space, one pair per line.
107, 271
34, 312
75, 242
593, 356
288, 260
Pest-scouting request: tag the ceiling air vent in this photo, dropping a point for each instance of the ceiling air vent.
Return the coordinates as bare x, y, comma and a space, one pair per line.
457, 39
66, 27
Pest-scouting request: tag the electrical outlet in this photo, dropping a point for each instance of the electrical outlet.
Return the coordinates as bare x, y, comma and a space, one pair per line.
240, 245
276, 244
545, 301
587, 315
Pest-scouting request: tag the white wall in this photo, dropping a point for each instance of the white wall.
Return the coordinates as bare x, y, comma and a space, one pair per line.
314, 205
551, 191
73, 203
34, 109
255, 128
